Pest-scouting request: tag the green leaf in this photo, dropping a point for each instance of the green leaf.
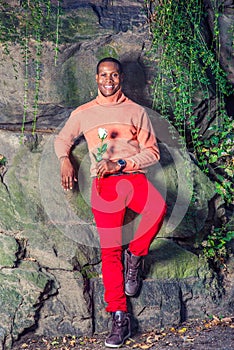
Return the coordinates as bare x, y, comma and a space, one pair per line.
220, 177
215, 140
229, 171
213, 158
230, 236
3, 160
104, 148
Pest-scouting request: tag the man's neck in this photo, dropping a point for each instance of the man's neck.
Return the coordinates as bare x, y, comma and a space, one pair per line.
109, 99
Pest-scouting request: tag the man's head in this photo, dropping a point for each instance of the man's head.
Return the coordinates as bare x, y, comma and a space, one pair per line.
109, 76
113, 60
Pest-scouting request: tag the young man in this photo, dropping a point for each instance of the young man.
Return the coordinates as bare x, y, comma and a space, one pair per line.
124, 130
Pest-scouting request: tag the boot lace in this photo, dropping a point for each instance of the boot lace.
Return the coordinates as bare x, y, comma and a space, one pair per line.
132, 272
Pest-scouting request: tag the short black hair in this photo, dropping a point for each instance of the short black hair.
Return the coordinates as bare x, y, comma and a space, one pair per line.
110, 59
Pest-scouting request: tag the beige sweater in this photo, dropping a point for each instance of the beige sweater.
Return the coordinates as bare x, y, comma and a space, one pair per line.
130, 133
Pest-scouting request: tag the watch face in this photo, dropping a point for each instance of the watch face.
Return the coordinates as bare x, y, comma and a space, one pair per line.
121, 162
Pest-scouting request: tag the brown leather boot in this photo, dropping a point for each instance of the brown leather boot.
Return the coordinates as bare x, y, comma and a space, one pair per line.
121, 329
133, 265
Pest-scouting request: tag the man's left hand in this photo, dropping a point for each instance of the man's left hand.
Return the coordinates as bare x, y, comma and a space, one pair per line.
105, 167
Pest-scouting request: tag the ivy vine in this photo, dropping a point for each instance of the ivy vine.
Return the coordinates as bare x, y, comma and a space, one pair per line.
34, 21
188, 70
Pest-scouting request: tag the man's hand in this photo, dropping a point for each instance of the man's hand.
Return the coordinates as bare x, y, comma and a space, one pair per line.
67, 174
105, 167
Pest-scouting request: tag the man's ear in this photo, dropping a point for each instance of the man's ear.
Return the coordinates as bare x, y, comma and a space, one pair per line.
122, 77
96, 77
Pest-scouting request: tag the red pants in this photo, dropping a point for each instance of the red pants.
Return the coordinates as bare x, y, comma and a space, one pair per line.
110, 198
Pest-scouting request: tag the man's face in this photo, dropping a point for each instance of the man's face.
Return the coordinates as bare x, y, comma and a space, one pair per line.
108, 78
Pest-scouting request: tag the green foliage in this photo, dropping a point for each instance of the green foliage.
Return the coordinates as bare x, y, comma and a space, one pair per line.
188, 70
30, 19
3, 160
218, 152
88, 272
36, 20
215, 246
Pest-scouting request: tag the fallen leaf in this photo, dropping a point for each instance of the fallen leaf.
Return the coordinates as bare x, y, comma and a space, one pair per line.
188, 339
207, 325
145, 346
182, 330
55, 342
215, 318
226, 320
157, 337
149, 339
142, 346
72, 342
93, 340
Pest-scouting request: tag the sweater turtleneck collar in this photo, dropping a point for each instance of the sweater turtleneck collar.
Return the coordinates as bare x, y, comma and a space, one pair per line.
117, 98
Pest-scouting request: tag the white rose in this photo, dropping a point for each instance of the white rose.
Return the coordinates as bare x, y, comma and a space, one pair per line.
102, 133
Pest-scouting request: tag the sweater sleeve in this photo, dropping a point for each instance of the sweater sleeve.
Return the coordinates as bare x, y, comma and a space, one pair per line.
65, 139
148, 148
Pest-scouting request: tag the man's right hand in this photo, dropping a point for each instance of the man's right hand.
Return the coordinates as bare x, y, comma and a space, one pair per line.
67, 174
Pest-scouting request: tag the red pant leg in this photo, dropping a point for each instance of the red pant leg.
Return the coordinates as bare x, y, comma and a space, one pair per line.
113, 279
108, 208
147, 201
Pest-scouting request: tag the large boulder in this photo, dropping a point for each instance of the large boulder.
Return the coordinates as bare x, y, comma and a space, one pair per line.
49, 248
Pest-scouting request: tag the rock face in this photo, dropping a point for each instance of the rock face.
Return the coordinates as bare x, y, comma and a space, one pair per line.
50, 261
225, 12
89, 32
49, 250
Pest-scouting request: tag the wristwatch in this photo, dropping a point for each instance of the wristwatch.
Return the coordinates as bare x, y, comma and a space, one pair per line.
122, 163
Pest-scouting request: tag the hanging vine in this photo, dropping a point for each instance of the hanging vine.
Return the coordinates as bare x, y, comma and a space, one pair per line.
188, 70
26, 58
31, 22
57, 32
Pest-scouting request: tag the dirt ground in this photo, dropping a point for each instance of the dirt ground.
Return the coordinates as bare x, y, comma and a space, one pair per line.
211, 334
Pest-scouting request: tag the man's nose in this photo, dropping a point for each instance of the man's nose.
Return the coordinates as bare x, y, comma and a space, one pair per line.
109, 78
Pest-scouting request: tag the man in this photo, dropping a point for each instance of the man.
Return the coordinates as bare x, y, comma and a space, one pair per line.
121, 145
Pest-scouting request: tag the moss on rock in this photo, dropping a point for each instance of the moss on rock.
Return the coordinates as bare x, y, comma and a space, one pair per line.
8, 250
81, 24
169, 260
106, 51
